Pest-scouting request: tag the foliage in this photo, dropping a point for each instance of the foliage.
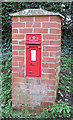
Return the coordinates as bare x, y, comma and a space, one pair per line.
59, 109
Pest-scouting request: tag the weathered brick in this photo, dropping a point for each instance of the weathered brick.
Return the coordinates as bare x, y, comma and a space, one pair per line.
51, 93
48, 70
22, 42
17, 69
53, 54
15, 74
46, 53
49, 48
49, 82
17, 58
38, 108
21, 74
31, 24
50, 37
45, 104
25, 19
55, 31
18, 47
18, 25
14, 52
18, 79
39, 30
26, 30
49, 60
21, 52
14, 30
50, 65
21, 64
15, 63
46, 18
52, 76
18, 36
14, 41
55, 18
51, 87
14, 19
49, 25
46, 42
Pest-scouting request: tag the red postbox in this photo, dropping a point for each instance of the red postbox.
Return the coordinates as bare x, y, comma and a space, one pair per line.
33, 55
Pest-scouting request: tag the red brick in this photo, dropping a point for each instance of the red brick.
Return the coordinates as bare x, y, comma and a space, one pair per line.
50, 37
46, 18
30, 24
21, 64
15, 74
44, 64
49, 48
59, 25
18, 25
45, 104
59, 74
52, 76
49, 70
52, 99
14, 30
14, 63
55, 31
38, 108
46, 42
14, 41
14, 19
18, 79
48, 82
21, 52
18, 69
14, 52
18, 47
25, 30
58, 64
46, 53
22, 42
51, 87
51, 93
59, 37
45, 76
49, 60
53, 42
40, 30
50, 65
55, 18
25, 19
46, 25
21, 74
17, 58
18, 36
58, 48
58, 53
53, 54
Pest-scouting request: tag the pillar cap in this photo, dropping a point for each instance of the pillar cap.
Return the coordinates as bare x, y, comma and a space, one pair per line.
35, 12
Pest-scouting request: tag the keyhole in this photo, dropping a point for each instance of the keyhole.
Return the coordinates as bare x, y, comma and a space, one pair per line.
30, 63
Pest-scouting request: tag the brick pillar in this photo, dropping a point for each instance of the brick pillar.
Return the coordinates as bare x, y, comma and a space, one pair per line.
33, 92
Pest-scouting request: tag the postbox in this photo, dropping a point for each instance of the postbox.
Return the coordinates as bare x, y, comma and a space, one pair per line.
33, 55
36, 51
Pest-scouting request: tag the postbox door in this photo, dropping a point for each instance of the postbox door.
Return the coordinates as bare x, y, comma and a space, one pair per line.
33, 61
